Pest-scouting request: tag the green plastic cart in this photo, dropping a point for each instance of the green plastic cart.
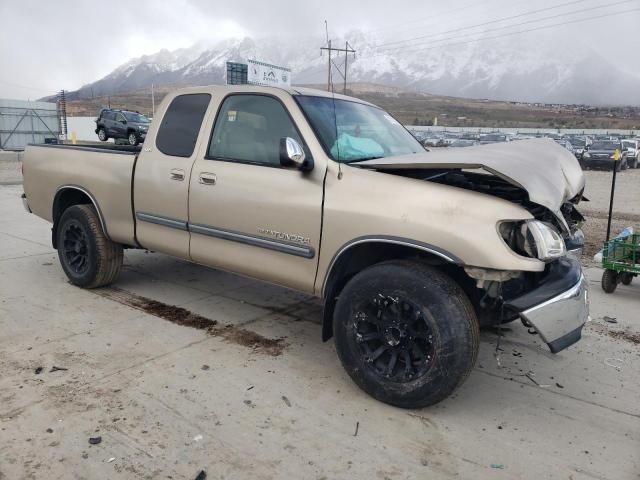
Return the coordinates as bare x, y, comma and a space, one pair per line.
620, 257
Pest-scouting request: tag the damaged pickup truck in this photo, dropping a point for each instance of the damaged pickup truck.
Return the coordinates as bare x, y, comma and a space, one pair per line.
411, 251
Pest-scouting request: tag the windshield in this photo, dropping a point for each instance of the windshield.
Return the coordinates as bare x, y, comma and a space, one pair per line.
135, 117
629, 144
363, 131
578, 142
604, 146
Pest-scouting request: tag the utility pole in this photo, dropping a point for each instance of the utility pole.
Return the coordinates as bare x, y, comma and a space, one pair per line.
346, 50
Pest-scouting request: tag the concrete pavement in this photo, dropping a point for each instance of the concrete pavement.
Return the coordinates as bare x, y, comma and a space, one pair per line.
169, 400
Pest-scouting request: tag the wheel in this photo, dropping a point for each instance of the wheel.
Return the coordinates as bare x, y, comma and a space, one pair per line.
102, 135
609, 281
87, 256
133, 138
626, 278
406, 333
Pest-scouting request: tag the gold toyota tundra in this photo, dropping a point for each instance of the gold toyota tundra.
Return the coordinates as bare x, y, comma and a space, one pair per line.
411, 251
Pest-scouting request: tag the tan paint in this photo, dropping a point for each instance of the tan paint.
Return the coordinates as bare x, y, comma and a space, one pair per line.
247, 198
107, 176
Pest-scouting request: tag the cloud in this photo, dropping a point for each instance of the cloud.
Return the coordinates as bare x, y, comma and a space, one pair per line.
46, 46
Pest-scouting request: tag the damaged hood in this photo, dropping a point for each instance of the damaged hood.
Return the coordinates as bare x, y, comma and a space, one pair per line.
549, 173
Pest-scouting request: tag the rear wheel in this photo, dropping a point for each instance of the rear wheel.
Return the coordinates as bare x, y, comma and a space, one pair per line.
87, 256
609, 281
626, 278
133, 139
405, 333
102, 135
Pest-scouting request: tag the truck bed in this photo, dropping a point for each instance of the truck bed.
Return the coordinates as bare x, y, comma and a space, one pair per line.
102, 172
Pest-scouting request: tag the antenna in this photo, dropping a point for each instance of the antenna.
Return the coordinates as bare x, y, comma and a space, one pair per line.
333, 98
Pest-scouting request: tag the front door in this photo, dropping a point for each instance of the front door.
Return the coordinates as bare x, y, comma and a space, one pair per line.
247, 214
161, 188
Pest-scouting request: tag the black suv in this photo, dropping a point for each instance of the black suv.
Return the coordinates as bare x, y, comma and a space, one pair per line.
115, 124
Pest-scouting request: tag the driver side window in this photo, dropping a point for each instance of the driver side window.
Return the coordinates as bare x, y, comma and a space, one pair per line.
248, 129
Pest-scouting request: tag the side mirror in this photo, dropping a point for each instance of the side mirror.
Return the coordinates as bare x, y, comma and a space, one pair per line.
292, 155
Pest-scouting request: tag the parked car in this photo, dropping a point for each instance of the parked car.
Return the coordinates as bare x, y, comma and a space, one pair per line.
566, 144
632, 148
493, 138
114, 123
410, 251
463, 143
580, 144
601, 154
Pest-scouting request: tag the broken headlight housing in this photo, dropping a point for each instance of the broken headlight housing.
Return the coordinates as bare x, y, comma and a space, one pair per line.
535, 239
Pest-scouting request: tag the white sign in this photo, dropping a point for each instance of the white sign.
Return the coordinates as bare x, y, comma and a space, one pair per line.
260, 73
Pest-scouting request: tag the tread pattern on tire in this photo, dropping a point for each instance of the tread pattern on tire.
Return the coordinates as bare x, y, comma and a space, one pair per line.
108, 254
453, 293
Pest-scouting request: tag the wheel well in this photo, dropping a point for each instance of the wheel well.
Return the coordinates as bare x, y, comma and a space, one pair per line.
363, 255
65, 198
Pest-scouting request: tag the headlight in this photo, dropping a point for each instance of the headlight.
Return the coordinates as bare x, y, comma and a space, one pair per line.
535, 239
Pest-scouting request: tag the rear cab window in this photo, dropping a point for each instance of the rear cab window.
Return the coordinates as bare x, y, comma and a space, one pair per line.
178, 133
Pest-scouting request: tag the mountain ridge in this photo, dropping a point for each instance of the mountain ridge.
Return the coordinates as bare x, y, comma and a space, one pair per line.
505, 71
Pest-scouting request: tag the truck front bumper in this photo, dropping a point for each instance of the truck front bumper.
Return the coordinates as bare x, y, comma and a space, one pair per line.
559, 307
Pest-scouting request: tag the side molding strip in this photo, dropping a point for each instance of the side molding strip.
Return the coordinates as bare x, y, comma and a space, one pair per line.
290, 248
256, 241
164, 221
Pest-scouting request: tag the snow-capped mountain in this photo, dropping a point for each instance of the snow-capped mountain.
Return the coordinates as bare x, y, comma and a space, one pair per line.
503, 70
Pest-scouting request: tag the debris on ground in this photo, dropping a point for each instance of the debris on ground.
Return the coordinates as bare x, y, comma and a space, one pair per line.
559, 386
38, 370
202, 475
612, 362
499, 466
197, 438
250, 388
111, 459
58, 369
205, 367
357, 428
530, 376
610, 319
95, 440
286, 400
49, 430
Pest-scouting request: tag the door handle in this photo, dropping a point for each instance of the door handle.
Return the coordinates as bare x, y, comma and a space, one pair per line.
176, 174
207, 178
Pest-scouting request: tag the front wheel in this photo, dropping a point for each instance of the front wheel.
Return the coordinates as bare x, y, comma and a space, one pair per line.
133, 139
405, 333
87, 256
609, 281
102, 135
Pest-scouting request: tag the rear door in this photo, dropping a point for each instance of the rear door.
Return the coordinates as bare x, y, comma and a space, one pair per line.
161, 189
120, 125
247, 214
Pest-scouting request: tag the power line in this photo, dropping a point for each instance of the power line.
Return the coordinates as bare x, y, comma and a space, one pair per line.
446, 12
531, 12
521, 31
503, 27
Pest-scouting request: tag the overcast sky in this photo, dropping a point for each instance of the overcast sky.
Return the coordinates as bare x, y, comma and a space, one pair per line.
47, 45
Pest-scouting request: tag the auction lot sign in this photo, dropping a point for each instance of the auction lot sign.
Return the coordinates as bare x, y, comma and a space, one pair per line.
261, 73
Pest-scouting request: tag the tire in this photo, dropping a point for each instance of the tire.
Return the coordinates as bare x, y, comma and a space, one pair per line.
102, 135
405, 308
132, 138
88, 257
609, 281
626, 278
